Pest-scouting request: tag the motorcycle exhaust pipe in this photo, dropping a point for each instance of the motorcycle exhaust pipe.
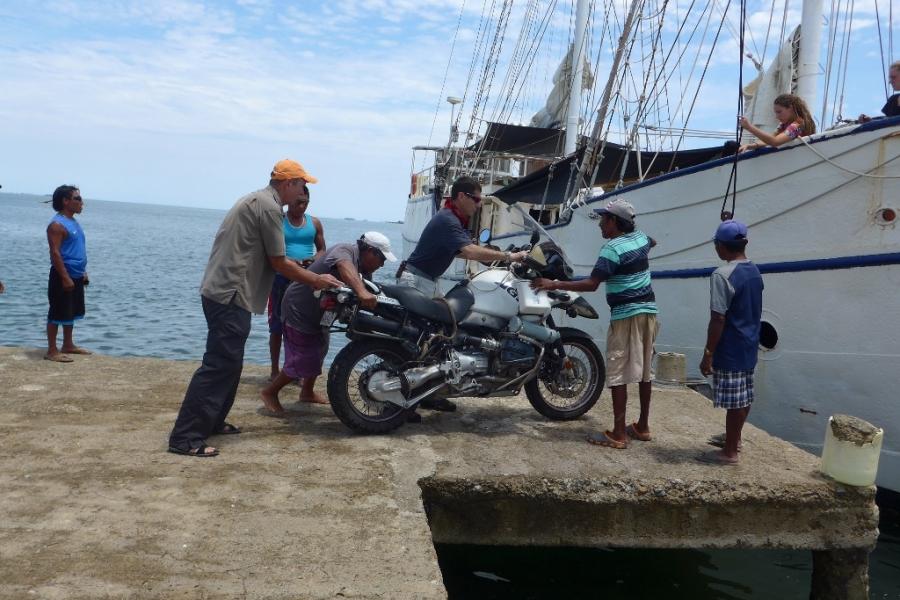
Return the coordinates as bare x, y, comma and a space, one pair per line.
418, 376
366, 322
386, 388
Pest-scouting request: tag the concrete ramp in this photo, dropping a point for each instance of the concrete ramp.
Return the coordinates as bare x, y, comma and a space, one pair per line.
299, 507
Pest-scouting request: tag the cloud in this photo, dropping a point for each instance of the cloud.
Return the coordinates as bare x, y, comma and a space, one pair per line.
346, 87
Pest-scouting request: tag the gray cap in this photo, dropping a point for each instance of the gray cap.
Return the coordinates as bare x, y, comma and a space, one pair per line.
620, 208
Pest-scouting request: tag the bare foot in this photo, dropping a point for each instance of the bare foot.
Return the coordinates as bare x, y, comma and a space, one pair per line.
75, 350
270, 401
57, 357
718, 458
314, 398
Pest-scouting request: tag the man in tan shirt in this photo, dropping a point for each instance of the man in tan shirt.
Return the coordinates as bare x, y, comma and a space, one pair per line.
247, 252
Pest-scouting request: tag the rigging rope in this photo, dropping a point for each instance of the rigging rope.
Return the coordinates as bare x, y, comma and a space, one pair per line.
881, 45
842, 77
437, 108
843, 168
733, 177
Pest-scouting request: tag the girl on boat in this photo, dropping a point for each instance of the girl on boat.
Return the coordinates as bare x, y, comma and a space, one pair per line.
794, 120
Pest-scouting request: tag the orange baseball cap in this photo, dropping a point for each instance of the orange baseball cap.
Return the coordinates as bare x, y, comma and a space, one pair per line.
291, 169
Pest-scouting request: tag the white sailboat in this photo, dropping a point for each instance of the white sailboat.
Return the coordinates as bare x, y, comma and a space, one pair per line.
823, 213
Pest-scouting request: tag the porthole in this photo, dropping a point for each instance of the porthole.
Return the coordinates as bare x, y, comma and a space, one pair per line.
885, 216
768, 336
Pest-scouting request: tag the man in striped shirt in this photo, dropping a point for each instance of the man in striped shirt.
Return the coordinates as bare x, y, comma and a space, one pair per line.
624, 266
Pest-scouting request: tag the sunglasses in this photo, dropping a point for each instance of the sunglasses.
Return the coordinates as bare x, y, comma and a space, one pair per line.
475, 198
76, 199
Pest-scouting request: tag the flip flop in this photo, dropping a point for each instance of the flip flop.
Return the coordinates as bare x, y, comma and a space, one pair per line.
634, 434
61, 358
200, 452
228, 429
440, 404
76, 350
308, 400
606, 440
719, 442
716, 458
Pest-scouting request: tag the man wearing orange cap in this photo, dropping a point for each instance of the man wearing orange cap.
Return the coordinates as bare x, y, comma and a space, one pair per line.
247, 252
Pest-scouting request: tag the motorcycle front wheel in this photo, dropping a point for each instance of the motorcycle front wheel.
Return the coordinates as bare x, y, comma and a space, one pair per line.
348, 380
573, 389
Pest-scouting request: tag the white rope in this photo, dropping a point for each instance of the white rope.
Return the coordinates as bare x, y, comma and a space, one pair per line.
843, 168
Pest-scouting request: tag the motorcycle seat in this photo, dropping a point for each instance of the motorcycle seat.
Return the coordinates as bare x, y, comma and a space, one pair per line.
436, 310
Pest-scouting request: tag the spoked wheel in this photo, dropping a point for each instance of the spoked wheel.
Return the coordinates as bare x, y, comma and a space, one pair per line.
355, 368
567, 392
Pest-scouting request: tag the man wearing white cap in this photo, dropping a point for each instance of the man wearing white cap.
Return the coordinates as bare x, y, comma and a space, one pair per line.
305, 340
624, 266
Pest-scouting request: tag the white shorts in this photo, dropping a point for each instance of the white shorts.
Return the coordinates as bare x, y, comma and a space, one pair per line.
629, 349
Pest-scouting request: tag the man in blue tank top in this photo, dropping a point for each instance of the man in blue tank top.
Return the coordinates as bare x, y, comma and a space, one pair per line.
304, 242
68, 273
732, 337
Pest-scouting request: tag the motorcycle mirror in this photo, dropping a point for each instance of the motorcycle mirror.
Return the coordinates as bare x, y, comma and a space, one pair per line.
535, 236
484, 236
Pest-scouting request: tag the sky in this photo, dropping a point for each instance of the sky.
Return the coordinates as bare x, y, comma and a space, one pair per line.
191, 103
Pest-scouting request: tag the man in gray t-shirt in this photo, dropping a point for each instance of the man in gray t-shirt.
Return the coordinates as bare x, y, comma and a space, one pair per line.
305, 339
246, 253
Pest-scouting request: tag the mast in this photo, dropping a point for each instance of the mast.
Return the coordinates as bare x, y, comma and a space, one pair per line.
573, 111
587, 162
810, 46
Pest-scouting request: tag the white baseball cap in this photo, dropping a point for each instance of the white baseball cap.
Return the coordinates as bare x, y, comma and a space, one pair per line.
380, 242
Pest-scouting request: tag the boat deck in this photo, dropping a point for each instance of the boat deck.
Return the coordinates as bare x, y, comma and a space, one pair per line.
299, 507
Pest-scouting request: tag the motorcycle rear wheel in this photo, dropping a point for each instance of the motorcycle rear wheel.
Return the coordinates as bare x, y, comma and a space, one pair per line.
347, 386
570, 394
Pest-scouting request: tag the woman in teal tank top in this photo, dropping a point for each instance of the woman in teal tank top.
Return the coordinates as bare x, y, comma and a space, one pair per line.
304, 241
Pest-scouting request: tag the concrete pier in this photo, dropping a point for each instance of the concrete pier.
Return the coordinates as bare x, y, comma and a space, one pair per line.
298, 507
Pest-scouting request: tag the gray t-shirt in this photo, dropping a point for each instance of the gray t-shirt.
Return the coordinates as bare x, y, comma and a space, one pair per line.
300, 308
238, 267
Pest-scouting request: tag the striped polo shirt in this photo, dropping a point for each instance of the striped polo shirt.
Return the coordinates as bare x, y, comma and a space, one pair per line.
625, 267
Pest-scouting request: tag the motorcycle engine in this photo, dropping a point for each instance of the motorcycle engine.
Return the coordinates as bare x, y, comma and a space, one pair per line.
516, 353
461, 367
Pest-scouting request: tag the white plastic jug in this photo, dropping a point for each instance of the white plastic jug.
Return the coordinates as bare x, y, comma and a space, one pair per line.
851, 451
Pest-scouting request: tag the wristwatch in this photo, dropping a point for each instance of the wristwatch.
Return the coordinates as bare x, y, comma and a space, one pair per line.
507, 256
706, 352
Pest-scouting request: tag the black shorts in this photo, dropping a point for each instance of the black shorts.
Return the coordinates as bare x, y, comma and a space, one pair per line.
66, 307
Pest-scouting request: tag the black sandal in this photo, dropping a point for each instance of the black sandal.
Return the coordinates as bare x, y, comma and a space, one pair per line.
228, 429
199, 452
440, 404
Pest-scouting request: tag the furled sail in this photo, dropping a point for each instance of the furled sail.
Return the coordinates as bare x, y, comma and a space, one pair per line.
553, 115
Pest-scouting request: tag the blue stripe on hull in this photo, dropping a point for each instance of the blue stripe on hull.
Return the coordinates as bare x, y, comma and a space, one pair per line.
819, 264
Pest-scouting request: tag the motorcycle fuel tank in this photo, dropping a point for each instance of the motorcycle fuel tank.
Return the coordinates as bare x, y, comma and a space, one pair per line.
495, 293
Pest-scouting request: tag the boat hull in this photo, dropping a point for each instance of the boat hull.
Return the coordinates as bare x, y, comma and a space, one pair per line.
831, 267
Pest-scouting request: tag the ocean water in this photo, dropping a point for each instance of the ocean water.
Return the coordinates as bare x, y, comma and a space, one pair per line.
145, 264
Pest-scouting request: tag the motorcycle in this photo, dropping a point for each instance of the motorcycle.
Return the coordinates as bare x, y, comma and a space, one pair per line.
491, 335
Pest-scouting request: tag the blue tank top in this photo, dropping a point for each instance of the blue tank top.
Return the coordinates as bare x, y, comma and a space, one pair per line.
73, 248
300, 242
